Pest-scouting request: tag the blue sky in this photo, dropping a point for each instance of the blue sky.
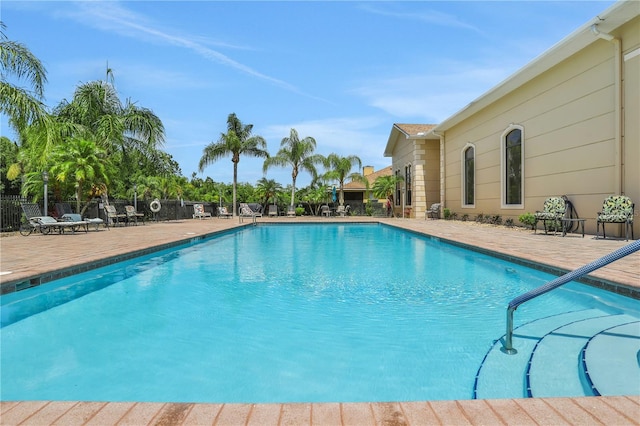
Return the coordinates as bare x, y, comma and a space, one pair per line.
342, 72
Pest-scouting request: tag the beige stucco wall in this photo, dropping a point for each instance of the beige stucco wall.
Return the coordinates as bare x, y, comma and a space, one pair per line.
631, 96
424, 158
568, 116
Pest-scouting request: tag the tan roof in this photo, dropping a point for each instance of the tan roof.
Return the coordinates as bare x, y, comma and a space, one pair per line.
403, 132
370, 177
414, 129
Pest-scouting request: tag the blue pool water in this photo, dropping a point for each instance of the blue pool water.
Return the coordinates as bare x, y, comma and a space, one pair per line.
282, 313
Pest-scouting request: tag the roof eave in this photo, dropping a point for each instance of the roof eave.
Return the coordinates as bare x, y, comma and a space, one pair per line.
617, 15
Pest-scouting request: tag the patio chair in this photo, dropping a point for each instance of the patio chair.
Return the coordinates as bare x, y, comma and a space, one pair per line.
342, 211
45, 224
273, 210
222, 212
133, 215
325, 210
616, 209
432, 212
113, 217
291, 211
198, 212
553, 211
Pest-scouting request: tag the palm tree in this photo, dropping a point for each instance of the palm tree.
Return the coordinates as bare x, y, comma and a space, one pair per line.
81, 161
298, 154
115, 126
236, 142
384, 187
339, 169
268, 189
21, 106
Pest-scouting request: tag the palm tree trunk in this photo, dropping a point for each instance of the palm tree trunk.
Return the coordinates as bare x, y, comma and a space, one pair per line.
293, 191
235, 182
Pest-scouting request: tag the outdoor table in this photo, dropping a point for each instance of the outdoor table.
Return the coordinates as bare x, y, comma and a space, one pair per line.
567, 221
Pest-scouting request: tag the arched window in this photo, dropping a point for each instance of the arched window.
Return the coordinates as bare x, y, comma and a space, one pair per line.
512, 167
469, 176
407, 182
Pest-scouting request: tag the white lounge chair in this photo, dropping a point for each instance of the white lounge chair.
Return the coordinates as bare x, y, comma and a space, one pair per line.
199, 212
222, 212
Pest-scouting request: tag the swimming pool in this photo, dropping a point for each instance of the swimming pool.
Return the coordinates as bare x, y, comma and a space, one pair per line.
279, 313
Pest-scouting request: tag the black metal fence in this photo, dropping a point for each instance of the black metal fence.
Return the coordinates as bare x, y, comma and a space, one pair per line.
11, 211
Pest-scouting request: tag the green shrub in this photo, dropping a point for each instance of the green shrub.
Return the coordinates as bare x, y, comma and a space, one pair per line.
299, 211
527, 219
447, 213
368, 209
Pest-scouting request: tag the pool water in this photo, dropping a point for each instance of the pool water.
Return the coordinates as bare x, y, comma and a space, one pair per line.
274, 313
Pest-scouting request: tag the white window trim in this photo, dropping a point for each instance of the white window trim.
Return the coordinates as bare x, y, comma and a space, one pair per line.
503, 195
463, 175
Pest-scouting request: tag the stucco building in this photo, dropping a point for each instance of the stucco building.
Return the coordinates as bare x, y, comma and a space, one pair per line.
568, 123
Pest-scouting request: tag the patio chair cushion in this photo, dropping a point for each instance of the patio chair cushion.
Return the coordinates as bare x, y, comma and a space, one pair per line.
616, 209
553, 208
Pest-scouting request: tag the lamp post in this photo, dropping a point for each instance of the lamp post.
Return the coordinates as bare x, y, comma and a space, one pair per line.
135, 196
45, 179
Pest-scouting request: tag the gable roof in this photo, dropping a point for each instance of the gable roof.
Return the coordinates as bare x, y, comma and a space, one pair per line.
409, 131
413, 130
371, 177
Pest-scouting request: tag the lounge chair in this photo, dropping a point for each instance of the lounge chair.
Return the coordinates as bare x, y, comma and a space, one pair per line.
246, 211
45, 224
62, 209
273, 210
553, 211
291, 211
66, 214
113, 217
433, 212
250, 209
616, 209
325, 210
222, 212
74, 217
133, 215
199, 212
342, 211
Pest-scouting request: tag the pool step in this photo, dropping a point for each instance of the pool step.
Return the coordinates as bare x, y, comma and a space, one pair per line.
515, 376
611, 360
561, 349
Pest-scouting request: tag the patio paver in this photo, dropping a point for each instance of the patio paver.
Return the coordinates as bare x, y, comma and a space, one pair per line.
36, 259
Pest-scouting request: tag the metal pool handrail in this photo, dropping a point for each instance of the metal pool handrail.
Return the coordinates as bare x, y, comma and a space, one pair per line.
570, 276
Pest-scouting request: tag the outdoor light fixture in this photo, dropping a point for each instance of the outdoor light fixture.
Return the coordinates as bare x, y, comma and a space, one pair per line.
45, 179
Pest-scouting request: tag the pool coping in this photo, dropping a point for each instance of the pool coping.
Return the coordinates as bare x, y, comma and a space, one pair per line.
620, 410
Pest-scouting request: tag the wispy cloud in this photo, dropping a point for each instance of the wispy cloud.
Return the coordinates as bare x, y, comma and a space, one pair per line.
431, 17
431, 97
113, 17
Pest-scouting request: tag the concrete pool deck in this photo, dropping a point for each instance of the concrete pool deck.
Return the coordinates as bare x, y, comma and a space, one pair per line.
35, 259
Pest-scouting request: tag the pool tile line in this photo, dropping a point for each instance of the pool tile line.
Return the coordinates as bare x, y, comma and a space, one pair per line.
590, 280
36, 280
